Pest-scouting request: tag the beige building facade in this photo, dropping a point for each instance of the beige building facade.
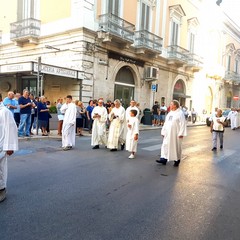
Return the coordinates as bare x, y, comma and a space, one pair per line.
147, 50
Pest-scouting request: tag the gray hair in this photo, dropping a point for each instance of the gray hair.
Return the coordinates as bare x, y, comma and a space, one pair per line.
176, 103
117, 101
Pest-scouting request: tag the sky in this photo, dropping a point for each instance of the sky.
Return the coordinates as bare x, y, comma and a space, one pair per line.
232, 8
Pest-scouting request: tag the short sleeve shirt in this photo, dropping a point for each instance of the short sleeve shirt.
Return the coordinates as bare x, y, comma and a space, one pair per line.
23, 101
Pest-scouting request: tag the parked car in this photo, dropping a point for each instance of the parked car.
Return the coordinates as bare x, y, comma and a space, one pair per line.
225, 114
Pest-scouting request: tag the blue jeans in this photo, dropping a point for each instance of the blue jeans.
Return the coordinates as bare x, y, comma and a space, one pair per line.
25, 121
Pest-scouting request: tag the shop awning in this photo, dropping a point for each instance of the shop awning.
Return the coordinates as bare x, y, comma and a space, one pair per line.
32, 67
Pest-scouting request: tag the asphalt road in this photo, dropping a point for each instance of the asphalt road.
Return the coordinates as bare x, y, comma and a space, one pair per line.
87, 194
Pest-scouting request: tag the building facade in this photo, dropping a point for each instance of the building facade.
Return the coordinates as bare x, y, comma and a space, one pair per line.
145, 50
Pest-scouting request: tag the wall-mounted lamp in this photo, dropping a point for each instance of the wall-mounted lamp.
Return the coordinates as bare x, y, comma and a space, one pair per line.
51, 47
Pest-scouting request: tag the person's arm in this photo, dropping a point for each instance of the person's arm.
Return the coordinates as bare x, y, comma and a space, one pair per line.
211, 127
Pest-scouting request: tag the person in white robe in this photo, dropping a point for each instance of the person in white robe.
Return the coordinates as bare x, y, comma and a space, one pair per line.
173, 131
99, 134
233, 116
132, 133
132, 106
8, 144
69, 124
116, 130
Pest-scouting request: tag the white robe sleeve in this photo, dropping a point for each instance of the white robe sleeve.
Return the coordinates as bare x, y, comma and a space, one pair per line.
183, 126
10, 138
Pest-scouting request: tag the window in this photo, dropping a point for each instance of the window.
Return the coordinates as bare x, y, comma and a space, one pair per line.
176, 14
236, 66
27, 9
191, 42
145, 17
113, 7
174, 33
228, 63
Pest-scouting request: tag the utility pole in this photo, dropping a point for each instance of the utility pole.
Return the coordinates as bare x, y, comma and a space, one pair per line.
38, 84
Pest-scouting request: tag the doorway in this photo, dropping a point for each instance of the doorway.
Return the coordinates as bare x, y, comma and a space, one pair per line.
30, 84
124, 86
124, 94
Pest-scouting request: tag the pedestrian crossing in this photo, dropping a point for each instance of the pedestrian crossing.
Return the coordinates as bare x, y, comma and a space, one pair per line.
189, 149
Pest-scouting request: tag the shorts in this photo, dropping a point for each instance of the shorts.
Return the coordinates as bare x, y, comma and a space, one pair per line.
42, 123
155, 117
60, 117
162, 118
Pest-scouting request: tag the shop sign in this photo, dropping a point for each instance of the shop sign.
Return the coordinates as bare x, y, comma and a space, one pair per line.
63, 72
126, 59
235, 98
14, 68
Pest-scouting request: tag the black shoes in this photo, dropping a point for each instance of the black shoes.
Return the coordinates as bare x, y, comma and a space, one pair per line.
214, 149
96, 147
163, 161
221, 147
176, 163
122, 146
113, 150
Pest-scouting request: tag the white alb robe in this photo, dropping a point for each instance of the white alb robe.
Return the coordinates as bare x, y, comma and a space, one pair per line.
233, 119
133, 129
116, 130
8, 141
69, 124
128, 112
174, 126
99, 135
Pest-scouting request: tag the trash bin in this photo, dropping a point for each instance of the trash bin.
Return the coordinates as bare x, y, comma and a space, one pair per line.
147, 120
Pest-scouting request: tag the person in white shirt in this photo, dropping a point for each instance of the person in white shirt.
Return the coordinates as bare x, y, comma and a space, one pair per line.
233, 116
99, 116
217, 129
69, 124
163, 111
173, 131
132, 106
132, 133
116, 130
8, 144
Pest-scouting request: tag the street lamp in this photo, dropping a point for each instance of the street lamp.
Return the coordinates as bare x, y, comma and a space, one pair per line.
218, 2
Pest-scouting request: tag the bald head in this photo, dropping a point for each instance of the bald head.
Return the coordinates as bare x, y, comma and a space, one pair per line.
10, 95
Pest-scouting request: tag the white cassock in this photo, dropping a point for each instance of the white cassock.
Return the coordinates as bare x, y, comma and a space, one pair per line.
133, 129
8, 141
116, 130
238, 119
174, 126
99, 135
233, 119
128, 112
69, 124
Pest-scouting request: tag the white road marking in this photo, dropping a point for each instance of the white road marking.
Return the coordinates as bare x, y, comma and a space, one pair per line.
153, 147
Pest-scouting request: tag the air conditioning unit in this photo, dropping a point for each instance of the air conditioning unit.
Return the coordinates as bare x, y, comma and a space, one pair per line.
151, 73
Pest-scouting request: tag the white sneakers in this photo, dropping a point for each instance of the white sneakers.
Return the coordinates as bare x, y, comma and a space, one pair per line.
131, 156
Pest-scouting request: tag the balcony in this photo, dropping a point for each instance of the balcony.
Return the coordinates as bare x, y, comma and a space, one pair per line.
194, 63
25, 31
114, 28
177, 55
232, 77
146, 42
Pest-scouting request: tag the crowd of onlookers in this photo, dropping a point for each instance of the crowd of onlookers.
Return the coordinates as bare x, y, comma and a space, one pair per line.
28, 112
32, 113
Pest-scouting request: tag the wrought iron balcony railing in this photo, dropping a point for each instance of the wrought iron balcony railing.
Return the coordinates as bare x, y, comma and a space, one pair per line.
178, 53
195, 60
232, 76
148, 40
29, 27
116, 26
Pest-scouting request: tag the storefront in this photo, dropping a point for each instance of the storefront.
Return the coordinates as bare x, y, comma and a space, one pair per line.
48, 80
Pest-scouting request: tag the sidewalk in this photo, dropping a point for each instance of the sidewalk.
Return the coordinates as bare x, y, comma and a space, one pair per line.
53, 133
